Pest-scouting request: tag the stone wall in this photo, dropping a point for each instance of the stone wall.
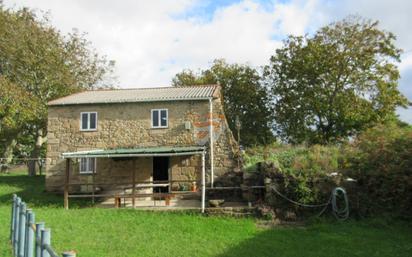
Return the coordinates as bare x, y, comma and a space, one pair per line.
128, 125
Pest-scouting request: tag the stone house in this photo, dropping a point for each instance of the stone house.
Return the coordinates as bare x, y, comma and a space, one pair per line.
158, 139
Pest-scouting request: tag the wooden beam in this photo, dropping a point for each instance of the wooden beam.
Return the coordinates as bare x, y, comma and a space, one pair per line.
93, 186
66, 185
134, 183
128, 184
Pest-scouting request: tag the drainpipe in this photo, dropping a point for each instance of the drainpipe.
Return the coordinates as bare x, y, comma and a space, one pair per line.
211, 141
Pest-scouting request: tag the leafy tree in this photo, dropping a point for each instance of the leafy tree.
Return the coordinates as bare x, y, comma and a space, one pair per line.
336, 83
37, 58
243, 96
16, 108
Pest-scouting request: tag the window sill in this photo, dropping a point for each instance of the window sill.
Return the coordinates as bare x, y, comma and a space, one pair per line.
86, 173
88, 130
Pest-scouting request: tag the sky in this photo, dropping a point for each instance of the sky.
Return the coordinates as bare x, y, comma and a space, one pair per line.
151, 41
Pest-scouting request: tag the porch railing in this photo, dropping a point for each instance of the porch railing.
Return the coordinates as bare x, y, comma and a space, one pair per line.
134, 187
30, 238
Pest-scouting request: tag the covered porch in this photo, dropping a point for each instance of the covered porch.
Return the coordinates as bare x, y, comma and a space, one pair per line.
139, 177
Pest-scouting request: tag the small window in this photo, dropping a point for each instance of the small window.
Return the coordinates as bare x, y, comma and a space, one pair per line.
159, 118
87, 165
88, 121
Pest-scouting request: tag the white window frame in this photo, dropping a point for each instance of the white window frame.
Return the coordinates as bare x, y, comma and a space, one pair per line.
159, 118
87, 165
88, 121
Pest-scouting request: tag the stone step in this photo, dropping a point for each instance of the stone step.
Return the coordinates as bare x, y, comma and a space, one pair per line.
232, 211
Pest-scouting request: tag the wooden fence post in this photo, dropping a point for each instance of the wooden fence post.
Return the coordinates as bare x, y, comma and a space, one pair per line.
39, 227
45, 240
69, 254
22, 229
29, 234
13, 209
16, 225
134, 184
66, 185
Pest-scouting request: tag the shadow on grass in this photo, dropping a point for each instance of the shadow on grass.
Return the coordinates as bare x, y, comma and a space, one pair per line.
328, 239
32, 191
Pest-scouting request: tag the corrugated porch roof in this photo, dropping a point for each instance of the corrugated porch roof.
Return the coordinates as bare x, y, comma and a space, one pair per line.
136, 152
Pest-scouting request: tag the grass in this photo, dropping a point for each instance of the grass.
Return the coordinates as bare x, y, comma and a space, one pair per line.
121, 232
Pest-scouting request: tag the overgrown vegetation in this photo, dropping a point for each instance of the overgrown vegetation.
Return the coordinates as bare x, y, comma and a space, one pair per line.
379, 160
127, 233
297, 169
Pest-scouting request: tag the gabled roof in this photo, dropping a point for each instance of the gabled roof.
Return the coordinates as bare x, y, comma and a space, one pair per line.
139, 95
135, 152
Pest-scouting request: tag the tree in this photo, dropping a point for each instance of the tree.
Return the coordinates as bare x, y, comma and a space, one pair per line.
336, 83
243, 96
45, 64
17, 108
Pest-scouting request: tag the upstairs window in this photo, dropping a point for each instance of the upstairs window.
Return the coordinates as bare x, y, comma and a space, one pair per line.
159, 118
87, 165
88, 121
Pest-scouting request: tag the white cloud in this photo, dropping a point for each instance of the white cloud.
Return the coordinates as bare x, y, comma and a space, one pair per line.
150, 45
297, 17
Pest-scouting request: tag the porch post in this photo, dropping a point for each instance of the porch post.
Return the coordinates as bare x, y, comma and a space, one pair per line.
203, 183
93, 187
66, 185
134, 184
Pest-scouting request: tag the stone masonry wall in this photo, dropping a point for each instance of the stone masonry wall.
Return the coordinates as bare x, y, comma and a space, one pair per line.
128, 125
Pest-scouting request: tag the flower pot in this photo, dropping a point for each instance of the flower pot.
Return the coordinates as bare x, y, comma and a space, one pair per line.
194, 187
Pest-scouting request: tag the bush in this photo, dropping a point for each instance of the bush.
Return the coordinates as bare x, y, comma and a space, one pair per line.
380, 159
300, 172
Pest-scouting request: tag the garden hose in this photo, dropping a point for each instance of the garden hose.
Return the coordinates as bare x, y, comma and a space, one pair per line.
340, 214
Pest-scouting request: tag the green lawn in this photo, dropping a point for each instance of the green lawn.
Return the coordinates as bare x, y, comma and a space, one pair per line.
122, 233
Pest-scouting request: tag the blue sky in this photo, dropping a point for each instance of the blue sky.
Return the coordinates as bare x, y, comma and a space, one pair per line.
153, 40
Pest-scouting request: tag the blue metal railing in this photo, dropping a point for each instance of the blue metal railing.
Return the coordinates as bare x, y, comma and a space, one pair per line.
28, 238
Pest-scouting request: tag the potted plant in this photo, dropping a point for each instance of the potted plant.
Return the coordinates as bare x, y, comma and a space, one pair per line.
183, 187
193, 186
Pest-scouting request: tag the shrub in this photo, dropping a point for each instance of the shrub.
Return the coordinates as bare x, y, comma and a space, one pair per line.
380, 159
301, 172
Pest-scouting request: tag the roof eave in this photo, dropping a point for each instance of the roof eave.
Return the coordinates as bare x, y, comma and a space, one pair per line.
135, 101
132, 155
148, 152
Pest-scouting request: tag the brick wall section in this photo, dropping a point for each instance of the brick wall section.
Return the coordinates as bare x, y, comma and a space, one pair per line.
128, 125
